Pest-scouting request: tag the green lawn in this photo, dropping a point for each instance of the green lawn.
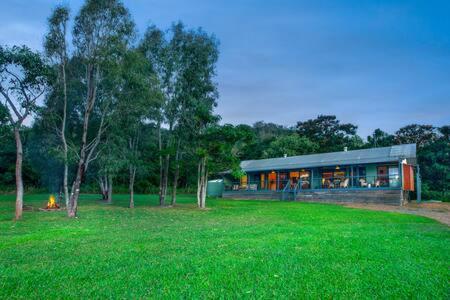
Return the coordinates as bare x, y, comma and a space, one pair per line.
235, 249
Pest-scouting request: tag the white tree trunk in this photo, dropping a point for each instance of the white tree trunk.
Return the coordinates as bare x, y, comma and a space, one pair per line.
91, 76
202, 183
110, 187
19, 181
131, 186
63, 138
176, 174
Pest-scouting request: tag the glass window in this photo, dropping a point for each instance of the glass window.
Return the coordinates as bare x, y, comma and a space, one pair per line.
327, 179
305, 179
272, 185
382, 176
244, 181
394, 177
282, 179
262, 178
361, 179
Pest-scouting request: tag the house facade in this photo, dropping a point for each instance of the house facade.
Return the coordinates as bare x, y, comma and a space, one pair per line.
376, 175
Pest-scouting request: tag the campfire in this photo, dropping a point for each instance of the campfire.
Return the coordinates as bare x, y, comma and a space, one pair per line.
51, 204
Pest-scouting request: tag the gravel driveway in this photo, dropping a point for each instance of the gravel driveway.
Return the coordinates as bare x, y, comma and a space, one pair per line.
439, 211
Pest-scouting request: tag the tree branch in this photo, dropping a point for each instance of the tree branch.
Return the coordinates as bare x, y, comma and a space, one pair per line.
9, 101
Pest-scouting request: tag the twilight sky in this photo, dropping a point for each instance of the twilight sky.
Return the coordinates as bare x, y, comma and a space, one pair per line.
377, 64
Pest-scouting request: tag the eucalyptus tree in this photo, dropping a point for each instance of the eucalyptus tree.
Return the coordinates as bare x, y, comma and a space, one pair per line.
197, 92
102, 29
164, 56
139, 101
198, 99
184, 62
56, 49
216, 152
23, 80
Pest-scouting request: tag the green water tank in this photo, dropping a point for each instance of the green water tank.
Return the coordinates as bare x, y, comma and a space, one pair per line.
214, 188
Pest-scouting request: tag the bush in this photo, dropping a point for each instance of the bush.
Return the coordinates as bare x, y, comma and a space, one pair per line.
428, 194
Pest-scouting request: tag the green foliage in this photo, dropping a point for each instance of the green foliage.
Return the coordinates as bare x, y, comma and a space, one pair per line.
290, 145
55, 40
434, 160
379, 138
24, 77
421, 135
217, 145
102, 29
236, 249
329, 133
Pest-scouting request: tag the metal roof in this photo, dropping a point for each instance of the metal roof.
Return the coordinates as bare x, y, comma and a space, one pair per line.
363, 156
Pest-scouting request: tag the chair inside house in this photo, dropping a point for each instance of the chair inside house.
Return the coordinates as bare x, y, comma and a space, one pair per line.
344, 184
305, 184
253, 187
363, 182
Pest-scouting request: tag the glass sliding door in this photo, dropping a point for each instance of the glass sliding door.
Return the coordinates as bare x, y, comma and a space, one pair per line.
394, 178
282, 180
382, 176
305, 179
272, 181
262, 181
293, 178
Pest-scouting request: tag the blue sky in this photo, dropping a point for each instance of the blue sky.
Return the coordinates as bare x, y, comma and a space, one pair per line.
377, 64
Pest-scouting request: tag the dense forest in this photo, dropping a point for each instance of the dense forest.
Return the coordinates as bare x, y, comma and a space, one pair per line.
106, 110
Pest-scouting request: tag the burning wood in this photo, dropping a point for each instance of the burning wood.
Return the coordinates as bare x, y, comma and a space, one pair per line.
51, 204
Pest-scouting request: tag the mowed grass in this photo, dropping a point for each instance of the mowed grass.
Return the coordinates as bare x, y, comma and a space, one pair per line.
234, 249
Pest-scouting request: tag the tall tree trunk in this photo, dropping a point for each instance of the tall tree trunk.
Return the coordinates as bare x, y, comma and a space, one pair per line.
73, 200
199, 176
176, 174
165, 178
103, 182
63, 137
161, 169
131, 185
202, 182
110, 187
205, 185
19, 181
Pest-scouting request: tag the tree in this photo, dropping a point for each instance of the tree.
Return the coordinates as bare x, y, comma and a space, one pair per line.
56, 48
184, 64
328, 133
215, 152
290, 145
170, 59
445, 132
421, 135
102, 30
379, 138
138, 105
434, 159
269, 131
23, 80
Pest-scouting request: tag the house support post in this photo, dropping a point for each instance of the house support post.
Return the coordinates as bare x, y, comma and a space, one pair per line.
419, 185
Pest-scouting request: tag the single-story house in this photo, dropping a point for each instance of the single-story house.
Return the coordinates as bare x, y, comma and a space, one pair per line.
375, 175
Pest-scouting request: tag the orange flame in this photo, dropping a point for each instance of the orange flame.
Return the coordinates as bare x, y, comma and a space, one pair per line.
51, 202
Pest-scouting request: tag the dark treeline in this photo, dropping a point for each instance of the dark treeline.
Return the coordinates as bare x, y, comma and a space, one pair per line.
262, 140
112, 111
